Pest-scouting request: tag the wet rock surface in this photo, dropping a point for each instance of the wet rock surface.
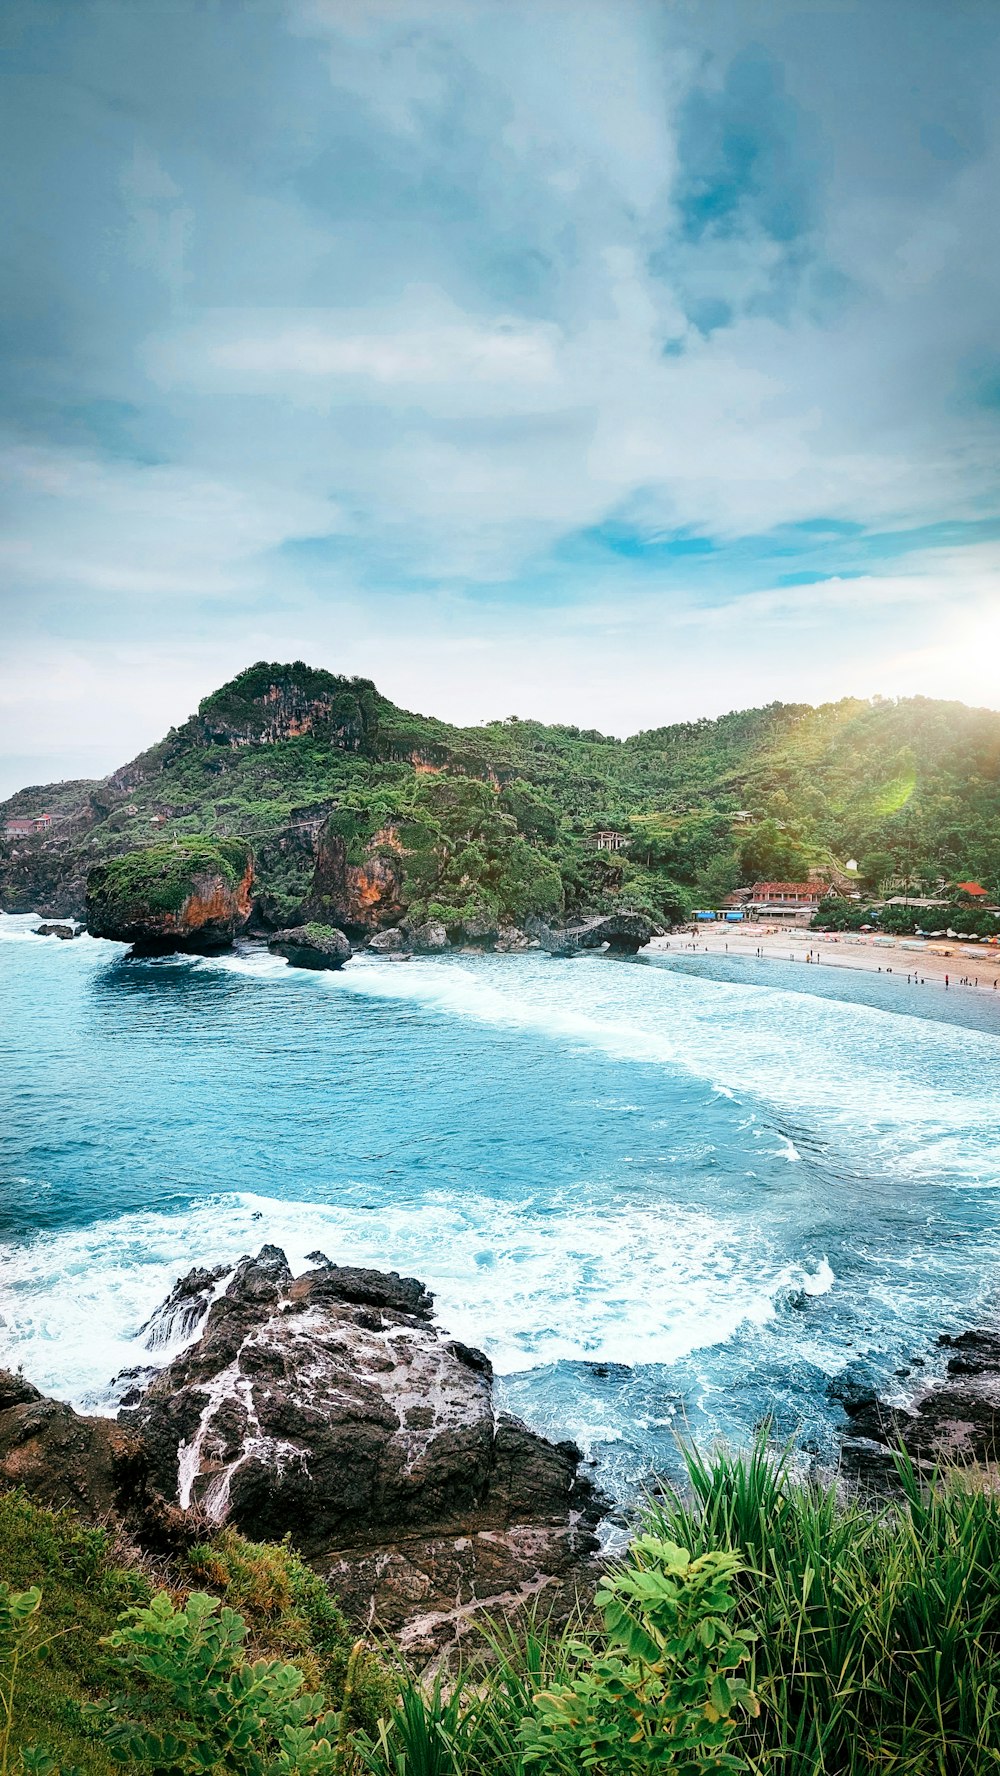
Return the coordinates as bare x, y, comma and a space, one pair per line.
954, 1420
58, 930
312, 946
332, 1406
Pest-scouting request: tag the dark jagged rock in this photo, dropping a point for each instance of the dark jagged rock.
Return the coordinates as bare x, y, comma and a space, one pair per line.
312, 946
62, 931
956, 1419
61, 1457
194, 895
185, 1307
16, 1390
331, 1405
129, 1385
623, 932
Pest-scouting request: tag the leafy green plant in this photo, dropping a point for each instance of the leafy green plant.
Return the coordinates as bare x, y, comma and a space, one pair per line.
226, 1713
21, 1640
428, 1732
290, 1613
664, 1693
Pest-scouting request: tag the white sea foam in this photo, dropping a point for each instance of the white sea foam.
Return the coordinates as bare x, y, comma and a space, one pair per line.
647, 1286
850, 1067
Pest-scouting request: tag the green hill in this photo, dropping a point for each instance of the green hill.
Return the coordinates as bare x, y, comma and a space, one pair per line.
500, 818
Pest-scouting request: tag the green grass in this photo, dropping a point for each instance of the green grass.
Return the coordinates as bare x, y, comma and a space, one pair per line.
85, 1584
874, 1634
877, 1642
88, 1577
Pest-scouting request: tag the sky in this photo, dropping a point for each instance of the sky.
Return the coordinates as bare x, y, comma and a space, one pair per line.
607, 361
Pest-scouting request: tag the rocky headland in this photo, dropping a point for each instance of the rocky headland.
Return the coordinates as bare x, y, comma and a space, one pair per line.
332, 1407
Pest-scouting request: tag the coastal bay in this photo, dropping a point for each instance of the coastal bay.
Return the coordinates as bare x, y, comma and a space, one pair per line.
660, 1201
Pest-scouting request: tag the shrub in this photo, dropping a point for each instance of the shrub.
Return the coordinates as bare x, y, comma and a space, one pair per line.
664, 1691
291, 1612
225, 1713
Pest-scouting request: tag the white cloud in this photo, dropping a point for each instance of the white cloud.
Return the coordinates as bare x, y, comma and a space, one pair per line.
78, 523
414, 280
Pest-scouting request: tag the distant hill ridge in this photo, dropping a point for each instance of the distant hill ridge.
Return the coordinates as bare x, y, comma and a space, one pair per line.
498, 820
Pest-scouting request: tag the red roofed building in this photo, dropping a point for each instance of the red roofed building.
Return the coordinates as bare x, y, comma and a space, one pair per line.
22, 826
786, 897
972, 888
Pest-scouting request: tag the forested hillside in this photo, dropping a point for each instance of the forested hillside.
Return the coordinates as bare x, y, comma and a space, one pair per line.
501, 818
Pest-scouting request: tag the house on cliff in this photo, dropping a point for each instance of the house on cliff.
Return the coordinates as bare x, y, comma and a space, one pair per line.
25, 826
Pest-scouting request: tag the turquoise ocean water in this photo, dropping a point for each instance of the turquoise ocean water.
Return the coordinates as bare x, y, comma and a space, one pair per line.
674, 1193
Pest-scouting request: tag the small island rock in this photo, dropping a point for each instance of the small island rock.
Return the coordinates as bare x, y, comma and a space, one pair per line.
312, 946
190, 895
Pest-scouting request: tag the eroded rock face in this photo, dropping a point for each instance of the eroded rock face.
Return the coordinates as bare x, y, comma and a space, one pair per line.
361, 896
312, 946
331, 1405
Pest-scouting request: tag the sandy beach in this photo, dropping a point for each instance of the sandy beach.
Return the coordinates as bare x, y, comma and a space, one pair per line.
963, 966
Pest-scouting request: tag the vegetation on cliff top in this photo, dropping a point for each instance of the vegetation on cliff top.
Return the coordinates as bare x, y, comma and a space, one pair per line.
160, 878
755, 1625
911, 789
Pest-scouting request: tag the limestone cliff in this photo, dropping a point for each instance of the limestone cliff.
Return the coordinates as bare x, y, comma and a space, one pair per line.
357, 884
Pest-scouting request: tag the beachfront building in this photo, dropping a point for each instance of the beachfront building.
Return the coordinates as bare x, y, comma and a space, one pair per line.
25, 826
785, 900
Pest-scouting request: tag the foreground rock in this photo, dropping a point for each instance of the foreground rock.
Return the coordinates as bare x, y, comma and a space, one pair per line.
623, 932
331, 1406
312, 946
194, 895
956, 1419
62, 1458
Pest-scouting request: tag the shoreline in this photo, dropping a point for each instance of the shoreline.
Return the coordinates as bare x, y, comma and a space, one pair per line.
949, 964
